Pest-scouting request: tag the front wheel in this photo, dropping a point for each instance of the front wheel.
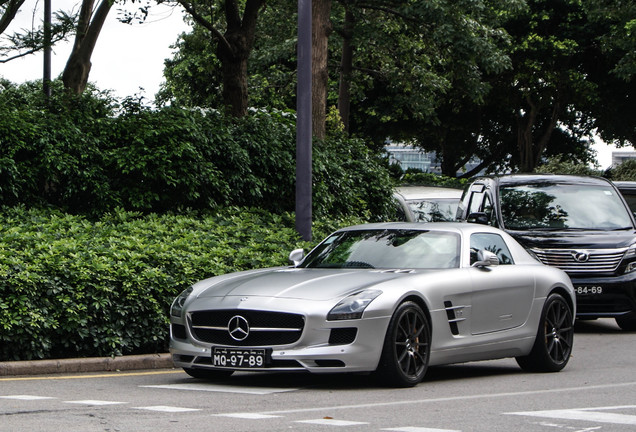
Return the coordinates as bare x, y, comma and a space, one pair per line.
406, 348
553, 346
627, 322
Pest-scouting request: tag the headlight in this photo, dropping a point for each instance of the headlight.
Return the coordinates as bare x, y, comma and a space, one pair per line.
630, 255
353, 306
177, 304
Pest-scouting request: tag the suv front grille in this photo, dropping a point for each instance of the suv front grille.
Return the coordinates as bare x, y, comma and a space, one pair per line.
598, 260
265, 328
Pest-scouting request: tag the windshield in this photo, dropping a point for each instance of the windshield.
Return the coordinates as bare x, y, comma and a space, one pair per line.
387, 249
562, 206
434, 210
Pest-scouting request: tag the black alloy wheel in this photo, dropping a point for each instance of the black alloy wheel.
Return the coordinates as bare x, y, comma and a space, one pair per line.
407, 346
555, 338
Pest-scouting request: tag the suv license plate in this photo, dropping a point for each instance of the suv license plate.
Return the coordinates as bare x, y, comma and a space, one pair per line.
246, 358
588, 290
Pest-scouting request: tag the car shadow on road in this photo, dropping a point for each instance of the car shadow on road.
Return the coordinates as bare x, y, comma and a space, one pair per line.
343, 382
598, 326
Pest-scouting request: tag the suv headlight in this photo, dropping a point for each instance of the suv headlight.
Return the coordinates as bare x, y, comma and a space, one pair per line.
630, 256
352, 307
177, 304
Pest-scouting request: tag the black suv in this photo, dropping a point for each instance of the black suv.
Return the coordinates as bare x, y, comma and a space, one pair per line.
581, 225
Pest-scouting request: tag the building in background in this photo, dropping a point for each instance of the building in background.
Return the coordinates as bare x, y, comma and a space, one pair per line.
410, 157
618, 157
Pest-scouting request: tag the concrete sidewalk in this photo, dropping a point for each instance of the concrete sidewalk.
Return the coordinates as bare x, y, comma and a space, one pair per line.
92, 364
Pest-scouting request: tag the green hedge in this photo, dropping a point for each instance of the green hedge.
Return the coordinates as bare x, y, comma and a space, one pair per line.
70, 286
92, 154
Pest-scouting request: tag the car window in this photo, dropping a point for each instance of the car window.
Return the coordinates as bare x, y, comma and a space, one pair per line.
491, 242
434, 210
476, 200
562, 206
386, 249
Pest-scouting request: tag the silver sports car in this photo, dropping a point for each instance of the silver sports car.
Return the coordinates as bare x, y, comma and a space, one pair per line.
389, 298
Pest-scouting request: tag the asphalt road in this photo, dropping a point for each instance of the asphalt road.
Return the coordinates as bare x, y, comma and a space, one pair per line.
596, 392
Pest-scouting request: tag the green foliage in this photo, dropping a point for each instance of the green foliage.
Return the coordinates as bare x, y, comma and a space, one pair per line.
416, 177
92, 154
558, 166
74, 287
626, 171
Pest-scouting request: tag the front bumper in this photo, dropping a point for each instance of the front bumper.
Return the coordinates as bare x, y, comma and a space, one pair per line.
315, 351
617, 295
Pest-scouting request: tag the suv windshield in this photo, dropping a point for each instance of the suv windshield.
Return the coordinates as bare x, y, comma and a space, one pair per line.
562, 206
388, 249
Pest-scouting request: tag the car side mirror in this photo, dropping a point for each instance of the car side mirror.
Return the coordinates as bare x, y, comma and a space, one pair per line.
486, 259
478, 217
296, 256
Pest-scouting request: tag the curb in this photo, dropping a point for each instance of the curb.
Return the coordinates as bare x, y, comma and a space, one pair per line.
92, 364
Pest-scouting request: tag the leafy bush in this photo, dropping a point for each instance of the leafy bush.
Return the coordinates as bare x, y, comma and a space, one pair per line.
416, 177
91, 154
74, 287
557, 166
625, 171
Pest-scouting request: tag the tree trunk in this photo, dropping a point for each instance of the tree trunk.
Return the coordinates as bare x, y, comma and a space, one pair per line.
234, 48
346, 66
234, 67
12, 8
321, 28
78, 66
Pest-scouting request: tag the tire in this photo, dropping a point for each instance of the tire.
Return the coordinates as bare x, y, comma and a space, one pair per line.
627, 322
208, 374
406, 349
553, 346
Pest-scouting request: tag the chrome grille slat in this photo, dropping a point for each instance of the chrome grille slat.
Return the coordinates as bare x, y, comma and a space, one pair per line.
267, 328
599, 259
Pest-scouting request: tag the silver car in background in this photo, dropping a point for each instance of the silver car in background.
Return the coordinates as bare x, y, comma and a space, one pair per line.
426, 203
391, 298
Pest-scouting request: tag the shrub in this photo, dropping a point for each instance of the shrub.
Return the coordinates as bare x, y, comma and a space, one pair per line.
92, 154
74, 287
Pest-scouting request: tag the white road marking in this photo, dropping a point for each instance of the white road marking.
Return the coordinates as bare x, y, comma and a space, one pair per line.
223, 388
94, 402
26, 397
419, 429
247, 416
452, 398
170, 409
332, 422
597, 414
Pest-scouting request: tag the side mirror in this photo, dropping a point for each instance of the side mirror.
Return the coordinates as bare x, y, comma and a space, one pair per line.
478, 217
296, 256
486, 259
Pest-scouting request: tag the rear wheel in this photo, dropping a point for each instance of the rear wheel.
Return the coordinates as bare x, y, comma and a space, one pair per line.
406, 348
553, 345
208, 374
627, 322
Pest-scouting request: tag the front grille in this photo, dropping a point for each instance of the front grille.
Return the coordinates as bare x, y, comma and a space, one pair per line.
600, 260
265, 328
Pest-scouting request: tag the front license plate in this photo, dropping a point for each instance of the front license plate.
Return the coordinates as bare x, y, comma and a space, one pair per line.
245, 358
588, 290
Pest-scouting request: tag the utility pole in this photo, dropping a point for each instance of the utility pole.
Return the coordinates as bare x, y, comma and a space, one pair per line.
303, 123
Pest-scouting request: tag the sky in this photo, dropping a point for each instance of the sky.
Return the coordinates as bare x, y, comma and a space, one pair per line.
128, 59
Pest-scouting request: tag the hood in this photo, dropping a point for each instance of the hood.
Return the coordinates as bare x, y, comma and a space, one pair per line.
575, 239
308, 284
